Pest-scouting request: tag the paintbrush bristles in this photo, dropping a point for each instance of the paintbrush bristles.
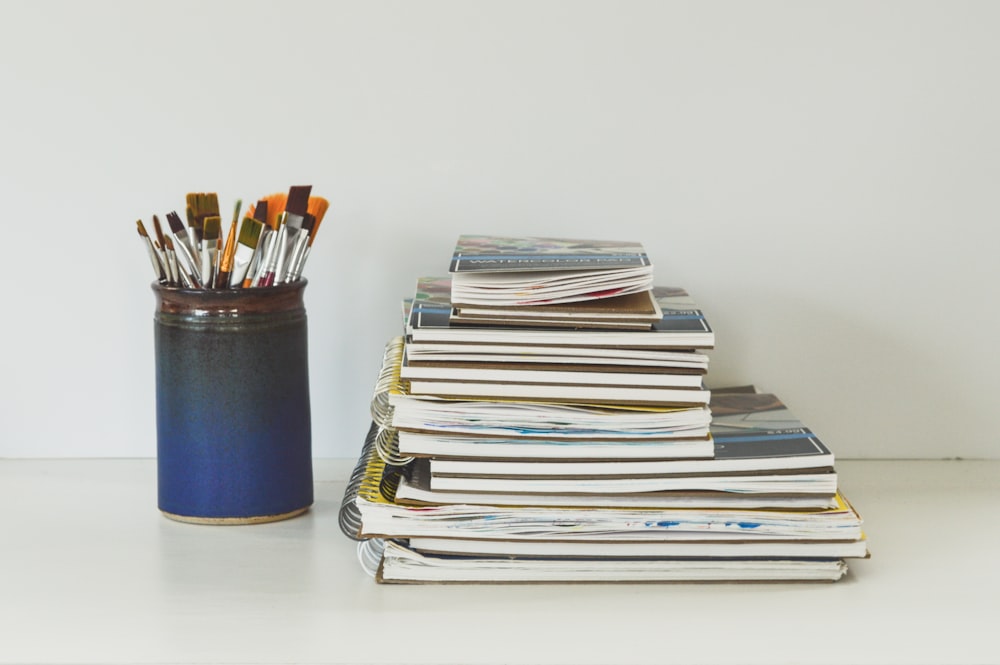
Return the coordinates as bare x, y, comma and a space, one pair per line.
212, 228
174, 220
317, 208
158, 230
298, 200
203, 204
226, 266
250, 232
275, 206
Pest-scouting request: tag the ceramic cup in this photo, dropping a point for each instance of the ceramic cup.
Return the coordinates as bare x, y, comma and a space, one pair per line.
234, 438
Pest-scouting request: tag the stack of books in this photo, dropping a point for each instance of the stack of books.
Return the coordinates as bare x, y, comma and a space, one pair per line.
544, 418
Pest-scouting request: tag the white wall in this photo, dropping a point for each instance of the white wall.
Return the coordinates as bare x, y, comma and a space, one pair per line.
822, 177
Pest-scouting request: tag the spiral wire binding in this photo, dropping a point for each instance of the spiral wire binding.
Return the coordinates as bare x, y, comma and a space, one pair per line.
389, 381
350, 516
370, 555
389, 483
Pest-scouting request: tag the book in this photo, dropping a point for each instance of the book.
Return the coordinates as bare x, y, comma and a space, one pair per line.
821, 549
824, 483
753, 434
399, 564
634, 311
384, 518
447, 354
498, 270
543, 420
490, 370
436, 444
682, 326
414, 488
562, 392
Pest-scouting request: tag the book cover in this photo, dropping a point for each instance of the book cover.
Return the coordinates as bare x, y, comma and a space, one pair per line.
487, 253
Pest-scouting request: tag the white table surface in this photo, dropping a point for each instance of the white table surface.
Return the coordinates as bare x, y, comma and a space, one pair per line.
91, 573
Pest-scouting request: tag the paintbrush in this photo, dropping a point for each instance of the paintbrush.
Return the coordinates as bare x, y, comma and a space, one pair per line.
317, 207
212, 228
170, 261
160, 243
275, 205
296, 208
296, 260
226, 264
262, 213
269, 259
246, 249
158, 270
188, 267
193, 230
181, 278
201, 205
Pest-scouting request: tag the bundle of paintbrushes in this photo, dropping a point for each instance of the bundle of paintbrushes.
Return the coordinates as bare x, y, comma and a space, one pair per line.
269, 247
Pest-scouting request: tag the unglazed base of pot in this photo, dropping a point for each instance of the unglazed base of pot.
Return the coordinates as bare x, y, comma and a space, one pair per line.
234, 521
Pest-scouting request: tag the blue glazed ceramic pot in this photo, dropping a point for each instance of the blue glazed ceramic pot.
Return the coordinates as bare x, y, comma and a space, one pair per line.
234, 438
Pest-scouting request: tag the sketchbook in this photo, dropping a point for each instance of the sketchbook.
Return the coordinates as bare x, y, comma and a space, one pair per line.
634, 311
492, 371
682, 326
414, 488
821, 549
400, 565
446, 445
516, 271
512, 355
757, 443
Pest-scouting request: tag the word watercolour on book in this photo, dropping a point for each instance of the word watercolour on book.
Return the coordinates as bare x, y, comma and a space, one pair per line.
505, 271
681, 326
